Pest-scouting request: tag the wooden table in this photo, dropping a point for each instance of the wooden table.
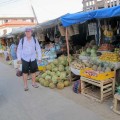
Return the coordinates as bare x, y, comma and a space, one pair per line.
96, 89
116, 106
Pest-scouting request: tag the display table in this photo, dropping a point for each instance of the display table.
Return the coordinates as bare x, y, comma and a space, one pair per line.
98, 90
116, 107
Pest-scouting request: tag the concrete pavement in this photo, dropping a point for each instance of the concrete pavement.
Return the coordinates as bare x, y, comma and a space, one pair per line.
36, 104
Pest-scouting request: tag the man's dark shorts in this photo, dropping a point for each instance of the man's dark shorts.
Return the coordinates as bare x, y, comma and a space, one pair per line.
29, 66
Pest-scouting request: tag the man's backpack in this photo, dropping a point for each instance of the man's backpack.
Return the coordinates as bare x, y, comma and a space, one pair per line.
34, 41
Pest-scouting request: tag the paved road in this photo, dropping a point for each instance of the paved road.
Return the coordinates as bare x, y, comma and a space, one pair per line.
36, 104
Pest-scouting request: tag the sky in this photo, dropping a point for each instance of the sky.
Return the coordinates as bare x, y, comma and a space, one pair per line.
44, 9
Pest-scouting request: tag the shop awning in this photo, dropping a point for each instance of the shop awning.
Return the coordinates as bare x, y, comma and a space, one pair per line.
81, 17
48, 24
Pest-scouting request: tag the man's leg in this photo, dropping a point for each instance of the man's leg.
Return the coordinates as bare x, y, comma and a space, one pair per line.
33, 78
25, 69
25, 76
33, 70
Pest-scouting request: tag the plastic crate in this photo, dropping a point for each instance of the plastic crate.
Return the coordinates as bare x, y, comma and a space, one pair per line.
96, 75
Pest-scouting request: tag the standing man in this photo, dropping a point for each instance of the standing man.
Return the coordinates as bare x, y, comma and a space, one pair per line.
26, 54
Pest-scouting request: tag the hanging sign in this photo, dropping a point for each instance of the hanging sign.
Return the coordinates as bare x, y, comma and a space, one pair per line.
92, 29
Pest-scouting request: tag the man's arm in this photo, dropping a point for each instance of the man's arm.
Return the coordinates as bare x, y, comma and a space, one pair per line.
38, 49
19, 50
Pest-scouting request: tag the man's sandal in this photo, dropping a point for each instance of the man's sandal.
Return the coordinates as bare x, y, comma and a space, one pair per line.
35, 85
26, 89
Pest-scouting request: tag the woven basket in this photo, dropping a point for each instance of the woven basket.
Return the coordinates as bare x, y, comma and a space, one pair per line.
62, 30
76, 29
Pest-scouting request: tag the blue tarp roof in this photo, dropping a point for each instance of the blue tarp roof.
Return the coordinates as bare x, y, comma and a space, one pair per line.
75, 18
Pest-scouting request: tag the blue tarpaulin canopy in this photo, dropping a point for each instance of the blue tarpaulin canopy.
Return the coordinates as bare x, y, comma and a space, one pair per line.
81, 17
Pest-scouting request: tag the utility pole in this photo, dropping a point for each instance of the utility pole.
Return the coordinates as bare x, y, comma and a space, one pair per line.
30, 3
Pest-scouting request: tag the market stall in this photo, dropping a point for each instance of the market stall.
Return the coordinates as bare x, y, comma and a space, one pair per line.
98, 61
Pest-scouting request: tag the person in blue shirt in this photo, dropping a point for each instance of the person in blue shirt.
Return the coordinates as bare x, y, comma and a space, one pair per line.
13, 49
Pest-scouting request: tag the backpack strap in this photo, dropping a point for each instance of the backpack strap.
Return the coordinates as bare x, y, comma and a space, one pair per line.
22, 42
34, 41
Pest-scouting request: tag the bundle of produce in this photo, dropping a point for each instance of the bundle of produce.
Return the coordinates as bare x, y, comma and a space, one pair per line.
117, 50
110, 57
106, 47
102, 66
89, 52
78, 64
56, 74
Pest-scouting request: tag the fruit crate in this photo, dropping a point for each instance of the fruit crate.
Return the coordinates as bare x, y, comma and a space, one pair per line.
116, 106
89, 73
97, 90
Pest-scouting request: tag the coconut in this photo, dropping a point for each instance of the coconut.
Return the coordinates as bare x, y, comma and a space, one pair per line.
62, 58
54, 79
49, 67
37, 79
40, 79
62, 62
55, 62
42, 82
58, 73
48, 77
52, 65
46, 83
60, 85
48, 72
52, 85
63, 75
66, 83
52, 73
61, 68
55, 69
44, 75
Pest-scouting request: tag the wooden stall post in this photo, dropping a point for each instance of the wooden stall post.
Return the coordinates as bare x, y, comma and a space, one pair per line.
68, 50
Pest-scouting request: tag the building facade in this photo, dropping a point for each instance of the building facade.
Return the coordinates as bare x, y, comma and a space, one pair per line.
98, 4
6, 25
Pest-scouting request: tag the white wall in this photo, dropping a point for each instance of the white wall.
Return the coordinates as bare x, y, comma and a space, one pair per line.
9, 30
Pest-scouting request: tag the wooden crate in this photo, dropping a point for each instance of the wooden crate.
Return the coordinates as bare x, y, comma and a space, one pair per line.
98, 90
116, 106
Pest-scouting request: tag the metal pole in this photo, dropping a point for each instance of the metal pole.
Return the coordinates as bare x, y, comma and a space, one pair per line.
30, 2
